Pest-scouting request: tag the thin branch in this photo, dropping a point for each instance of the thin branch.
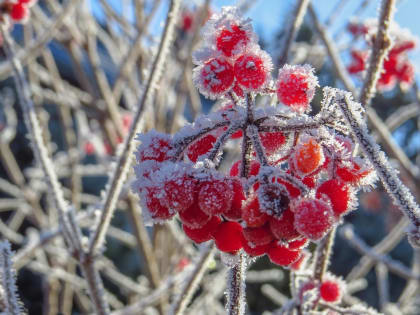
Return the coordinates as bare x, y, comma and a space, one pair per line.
298, 16
381, 47
235, 291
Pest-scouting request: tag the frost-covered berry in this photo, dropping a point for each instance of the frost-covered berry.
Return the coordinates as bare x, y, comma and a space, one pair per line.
202, 234
228, 236
155, 146
272, 141
251, 213
156, 209
337, 192
214, 78
308, 156
301, 261
235, 211
200, 147
296, 86
273, 198
180, 192
252, 70
281, 255
258, 236
352, 172
313, 218
194, 217
215, 196
330, 291
298, 244
253, 169
283, 228
255, 250
231, 39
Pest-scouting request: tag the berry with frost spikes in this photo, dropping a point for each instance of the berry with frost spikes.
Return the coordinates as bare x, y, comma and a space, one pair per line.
309, 292
231, 39
258, 236
215, 196
251, 213
252, 69
180, 192
255, 250
338, 193
272, 141
296, 86
313, 218
155, 146
200, 147
202, 234
157, 211
308, 156
194, 217
226, 33
228, 236
353, 171
273, 198
281, 255
298, 244
214, 78
332, 289
253, 170
235, 211
301, 262
291, 189
283, 228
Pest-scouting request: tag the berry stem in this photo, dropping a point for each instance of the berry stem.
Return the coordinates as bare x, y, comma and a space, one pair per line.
322, 255
236, 287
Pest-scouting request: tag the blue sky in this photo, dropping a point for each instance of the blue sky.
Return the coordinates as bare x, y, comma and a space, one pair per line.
269, 15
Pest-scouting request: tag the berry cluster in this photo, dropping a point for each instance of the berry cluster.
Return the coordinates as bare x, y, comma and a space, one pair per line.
16, 10
397, 66
297, 175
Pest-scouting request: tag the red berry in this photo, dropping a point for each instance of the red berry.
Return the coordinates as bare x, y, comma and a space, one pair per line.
202, 234
296, 86
255, 250
298, 263
18, 12
258, 236
337, 192
330, 291
180, 193
156, 209
313, 218
251, 71
89, 148
308, 156
194, 217
228, 236
272, 141
240, 93
252, 214
282, 256
200, 147
187, 21
230, 39
358, 63
297, 244
253, 169
214, 77
283, 228
215, 196
235, 211
155, 146
291, 189
352, 173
